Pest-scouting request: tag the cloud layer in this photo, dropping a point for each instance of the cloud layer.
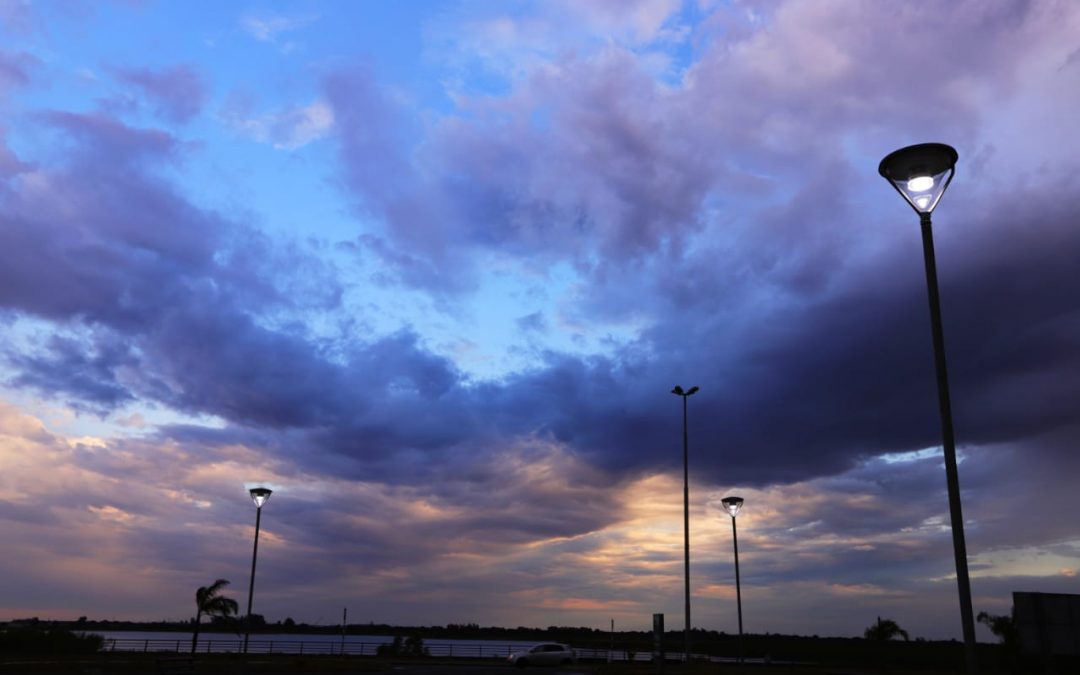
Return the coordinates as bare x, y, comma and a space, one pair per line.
667, 195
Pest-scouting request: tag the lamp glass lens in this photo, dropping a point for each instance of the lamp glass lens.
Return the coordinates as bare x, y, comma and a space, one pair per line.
732, 505
259, 496
924, 192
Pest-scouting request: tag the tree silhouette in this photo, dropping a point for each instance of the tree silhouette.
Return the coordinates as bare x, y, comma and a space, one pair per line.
1005, 629
1002, 626
209, 601
885, 630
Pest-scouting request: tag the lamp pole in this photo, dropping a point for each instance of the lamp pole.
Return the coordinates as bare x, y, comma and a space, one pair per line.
259, 495
732, 505
921, 173
678, 391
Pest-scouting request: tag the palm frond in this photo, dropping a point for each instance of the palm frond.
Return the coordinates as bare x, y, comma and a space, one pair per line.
207, 597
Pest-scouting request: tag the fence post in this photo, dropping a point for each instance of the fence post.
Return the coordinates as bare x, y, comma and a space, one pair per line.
146, 646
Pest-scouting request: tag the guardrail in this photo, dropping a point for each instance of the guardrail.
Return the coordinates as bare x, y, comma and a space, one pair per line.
335, 648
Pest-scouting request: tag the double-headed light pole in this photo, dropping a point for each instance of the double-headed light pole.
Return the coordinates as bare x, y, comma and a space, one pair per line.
259, 495
920, 173
678, 391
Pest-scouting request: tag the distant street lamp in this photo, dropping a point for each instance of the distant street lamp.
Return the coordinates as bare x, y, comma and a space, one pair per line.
920, 173
678, 391
732, 506
259, 495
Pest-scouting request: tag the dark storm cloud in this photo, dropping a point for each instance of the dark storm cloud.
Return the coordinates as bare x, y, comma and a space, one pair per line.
848, 377
98, 238
104, 241
589, 160
815, 386
811, 341
585, 162
582, 160
756, 274
83, 370
222, 363
170, 302
491, 514
828, 370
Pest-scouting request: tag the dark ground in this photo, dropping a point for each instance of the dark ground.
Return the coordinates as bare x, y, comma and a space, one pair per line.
153, 664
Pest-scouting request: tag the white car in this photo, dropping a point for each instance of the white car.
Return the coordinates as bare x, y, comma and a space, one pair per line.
544, 654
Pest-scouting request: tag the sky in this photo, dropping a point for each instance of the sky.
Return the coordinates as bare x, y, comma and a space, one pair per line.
430, 270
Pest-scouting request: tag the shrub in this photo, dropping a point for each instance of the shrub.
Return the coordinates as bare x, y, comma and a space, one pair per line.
414, 646
48, 641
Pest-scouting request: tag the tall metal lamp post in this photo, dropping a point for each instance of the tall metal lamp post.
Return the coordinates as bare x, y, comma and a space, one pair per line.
259, 495
732, 505
678, 391
921, 173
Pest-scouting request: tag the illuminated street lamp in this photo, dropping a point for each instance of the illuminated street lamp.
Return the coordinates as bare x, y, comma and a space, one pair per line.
920, 173
259, 495
732, 505
678, 391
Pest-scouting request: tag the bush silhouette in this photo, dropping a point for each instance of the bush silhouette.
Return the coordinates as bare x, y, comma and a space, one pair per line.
48, 641
413, 646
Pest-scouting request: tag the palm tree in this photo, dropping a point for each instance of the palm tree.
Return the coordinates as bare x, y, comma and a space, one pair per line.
209, 601
885, 630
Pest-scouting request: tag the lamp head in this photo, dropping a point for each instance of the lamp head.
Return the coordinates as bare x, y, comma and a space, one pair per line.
678, 391
259, 495
920, 173
732, 505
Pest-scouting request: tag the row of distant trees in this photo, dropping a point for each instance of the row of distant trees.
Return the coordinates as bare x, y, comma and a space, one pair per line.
32, 635
210, 601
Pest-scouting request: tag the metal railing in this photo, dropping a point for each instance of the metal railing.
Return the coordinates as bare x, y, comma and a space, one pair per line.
348, 647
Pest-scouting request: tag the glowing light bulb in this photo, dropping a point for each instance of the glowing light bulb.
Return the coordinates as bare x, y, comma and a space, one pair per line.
923, 201
920, 183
